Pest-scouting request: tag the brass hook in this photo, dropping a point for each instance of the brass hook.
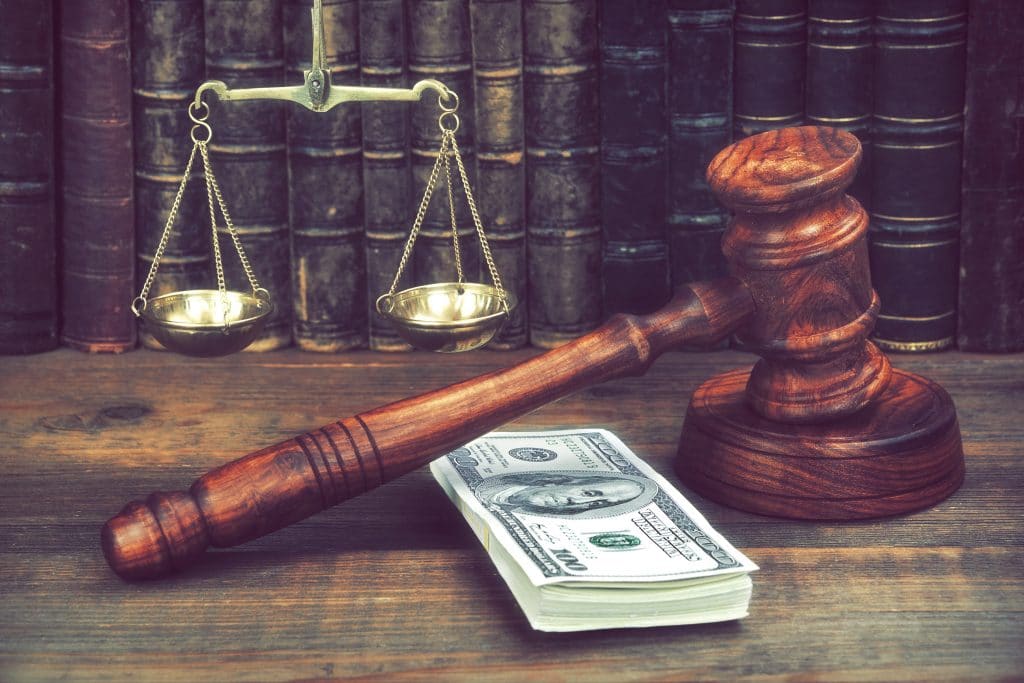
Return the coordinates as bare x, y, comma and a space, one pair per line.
200, 120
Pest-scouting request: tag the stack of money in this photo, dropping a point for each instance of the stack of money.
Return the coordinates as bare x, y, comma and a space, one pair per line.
588, 536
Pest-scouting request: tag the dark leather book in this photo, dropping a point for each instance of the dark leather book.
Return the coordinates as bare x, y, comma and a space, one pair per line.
770, 54
700, 96
563, 208
497, 40
634, 164
387, 179
97, 210
920, 59
29, 311
840, 58
991, 310
325, 188
167, 66
439, 48
244, 48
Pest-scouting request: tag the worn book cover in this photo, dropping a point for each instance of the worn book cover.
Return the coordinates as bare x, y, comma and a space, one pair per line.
497, 42
244, 48
439, 47
919, 71
325, 187
563, 179
634, 159
29, 311
991, 310
700, 99
840, 58
97, 214
770, 59
167, 66
387, 176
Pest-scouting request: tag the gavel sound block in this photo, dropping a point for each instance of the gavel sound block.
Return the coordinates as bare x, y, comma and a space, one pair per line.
821, 428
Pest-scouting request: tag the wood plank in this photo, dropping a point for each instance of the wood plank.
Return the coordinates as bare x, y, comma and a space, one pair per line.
897, 609
393, 586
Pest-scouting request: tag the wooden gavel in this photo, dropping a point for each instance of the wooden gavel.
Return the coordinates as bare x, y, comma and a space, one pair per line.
800, 296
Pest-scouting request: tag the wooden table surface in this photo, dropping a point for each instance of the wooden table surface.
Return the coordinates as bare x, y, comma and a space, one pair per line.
393, 586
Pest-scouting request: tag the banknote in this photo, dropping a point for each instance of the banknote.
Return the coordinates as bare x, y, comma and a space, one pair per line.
584, 531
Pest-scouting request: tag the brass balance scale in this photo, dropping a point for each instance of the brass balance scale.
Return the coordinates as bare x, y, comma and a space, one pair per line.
444, 316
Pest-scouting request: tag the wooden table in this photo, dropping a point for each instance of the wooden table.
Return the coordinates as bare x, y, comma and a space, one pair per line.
393, 586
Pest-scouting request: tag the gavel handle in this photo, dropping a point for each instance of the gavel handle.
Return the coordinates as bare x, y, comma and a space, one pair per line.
274, 487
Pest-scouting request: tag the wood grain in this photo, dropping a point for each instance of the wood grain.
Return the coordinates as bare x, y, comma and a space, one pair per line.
393, 586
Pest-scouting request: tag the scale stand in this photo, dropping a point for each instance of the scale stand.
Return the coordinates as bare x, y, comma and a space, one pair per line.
439, 317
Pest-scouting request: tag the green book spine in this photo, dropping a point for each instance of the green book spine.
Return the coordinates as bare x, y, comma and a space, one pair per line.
387, 176
97, 208
439, 48
991, 299
167, 66
700, 95
325, 188
839, 62
770, 58
244, 48
500, 158
919, 72
634, 164
700, 124
28, 251
562, 125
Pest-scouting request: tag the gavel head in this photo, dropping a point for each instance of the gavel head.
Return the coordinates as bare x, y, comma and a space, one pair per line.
799, 244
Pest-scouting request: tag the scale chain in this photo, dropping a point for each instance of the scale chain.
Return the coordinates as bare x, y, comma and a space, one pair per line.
165, 236
214, 187
420, 214
451, 207
477, 223
213, 194
221, 286
449, 146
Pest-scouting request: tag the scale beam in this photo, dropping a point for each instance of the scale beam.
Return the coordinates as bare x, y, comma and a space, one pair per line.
317, 93
318, 81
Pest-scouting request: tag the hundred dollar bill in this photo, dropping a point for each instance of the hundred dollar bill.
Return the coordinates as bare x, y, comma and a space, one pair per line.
587, 535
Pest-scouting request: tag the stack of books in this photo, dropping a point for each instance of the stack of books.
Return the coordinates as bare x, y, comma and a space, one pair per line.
587, 126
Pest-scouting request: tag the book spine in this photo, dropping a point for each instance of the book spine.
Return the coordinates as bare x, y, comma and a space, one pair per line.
28, 249
700, 95
562, 127
634, 164
439, 48
97, 211
919, 71
167, 65
991, 296
244, 48
387, 178
325, 188
770, 54
839, 62
497, 41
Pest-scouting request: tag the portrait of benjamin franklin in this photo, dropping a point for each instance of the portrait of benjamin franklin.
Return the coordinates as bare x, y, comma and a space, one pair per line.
567, 494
